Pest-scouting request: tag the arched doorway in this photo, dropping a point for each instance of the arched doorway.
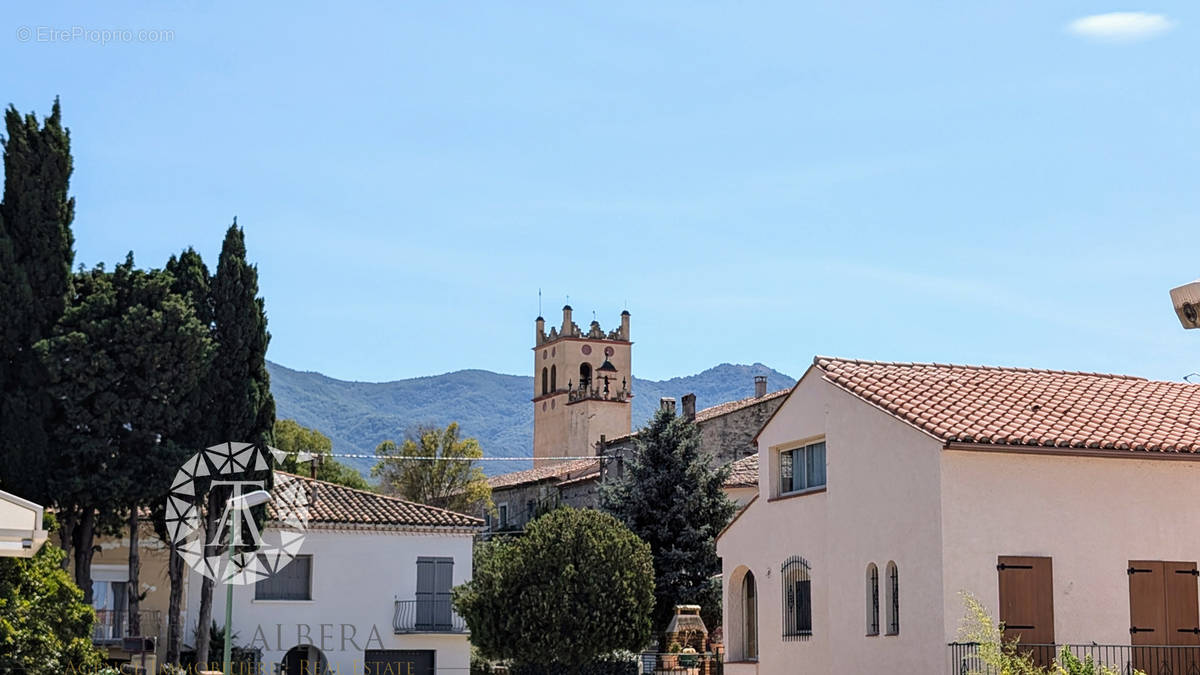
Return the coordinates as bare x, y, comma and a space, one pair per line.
749, 617
741, 629
304, 660
585, 376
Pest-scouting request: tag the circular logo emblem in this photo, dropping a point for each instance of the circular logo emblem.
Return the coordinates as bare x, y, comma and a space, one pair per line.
236, 552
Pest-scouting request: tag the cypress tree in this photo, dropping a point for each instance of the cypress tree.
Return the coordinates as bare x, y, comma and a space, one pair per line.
245, 409
191, 281
672, 497
35, 269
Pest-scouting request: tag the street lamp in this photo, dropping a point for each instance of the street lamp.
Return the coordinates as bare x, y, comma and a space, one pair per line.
1186, 299
235, 506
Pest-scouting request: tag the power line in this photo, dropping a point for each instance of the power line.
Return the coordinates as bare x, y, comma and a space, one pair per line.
459, 459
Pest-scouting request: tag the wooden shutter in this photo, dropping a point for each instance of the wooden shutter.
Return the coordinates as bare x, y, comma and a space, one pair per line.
1179, 581
1147, 603
1027, 603
443, 582
1163, 612
426, 574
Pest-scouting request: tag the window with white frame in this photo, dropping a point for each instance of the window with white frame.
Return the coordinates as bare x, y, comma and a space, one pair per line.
802, 468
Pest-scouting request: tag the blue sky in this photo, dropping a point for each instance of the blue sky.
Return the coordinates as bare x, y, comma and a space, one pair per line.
952, 182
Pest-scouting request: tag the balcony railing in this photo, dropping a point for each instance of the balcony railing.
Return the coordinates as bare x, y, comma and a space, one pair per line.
112, 625
427, 616
1166, 660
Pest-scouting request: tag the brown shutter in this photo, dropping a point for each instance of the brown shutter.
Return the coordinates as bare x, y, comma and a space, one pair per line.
1027, 603
1147, 605
1183, 628
1163, 612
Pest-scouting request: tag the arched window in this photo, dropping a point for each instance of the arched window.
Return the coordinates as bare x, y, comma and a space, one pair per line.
797, 599
749, 618
545, 380
585, 376
553, 378
893, 599
872, 599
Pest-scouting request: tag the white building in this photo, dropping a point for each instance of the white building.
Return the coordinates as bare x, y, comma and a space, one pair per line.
21, 533
369, 592
1065, 502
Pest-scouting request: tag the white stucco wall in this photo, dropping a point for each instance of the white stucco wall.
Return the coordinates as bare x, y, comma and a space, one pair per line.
881, 504
356, 577
1090, 515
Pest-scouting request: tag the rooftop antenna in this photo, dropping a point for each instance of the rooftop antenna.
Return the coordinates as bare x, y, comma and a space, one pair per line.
539, 302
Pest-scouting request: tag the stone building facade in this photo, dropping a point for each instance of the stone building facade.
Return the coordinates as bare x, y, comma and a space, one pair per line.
582, 387
726, 434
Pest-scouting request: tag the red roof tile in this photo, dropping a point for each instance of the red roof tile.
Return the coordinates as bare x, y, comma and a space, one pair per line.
333, 504
743, 472
556, 471
1027, 407
734, 406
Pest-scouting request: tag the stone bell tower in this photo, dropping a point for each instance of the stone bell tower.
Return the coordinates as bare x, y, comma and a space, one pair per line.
582, 387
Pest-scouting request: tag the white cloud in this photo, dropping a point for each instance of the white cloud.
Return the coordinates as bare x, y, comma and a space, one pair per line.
1121, 26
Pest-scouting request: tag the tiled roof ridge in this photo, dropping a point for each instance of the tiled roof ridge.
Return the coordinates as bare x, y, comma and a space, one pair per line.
821, 362
1026, 407
380, 495
537, 474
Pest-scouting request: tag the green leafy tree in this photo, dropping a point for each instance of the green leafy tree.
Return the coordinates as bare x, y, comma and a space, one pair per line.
673, 498
123, 359
293, 438
45, 626
434, 467
35, 269
578, 585
242, 408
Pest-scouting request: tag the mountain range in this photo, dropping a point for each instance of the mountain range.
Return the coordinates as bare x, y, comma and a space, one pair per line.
491, 407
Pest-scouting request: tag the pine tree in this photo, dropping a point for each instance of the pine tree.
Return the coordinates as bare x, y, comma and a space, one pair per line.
672, 498
245, 410
35, 268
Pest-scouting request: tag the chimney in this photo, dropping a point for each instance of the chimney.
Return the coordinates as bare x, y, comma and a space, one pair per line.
625, 325
689, 407
667, 403
760, 386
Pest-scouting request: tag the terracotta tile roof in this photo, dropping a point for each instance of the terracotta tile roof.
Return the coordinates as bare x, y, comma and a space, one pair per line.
743, 472
333, 504
590, 474
734, 406
557, 471
1027, 407
718, 410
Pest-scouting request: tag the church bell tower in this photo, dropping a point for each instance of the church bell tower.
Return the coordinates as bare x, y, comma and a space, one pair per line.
582, 387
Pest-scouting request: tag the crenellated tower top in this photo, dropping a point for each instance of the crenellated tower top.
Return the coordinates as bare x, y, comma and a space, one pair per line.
582, 386
570, 329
